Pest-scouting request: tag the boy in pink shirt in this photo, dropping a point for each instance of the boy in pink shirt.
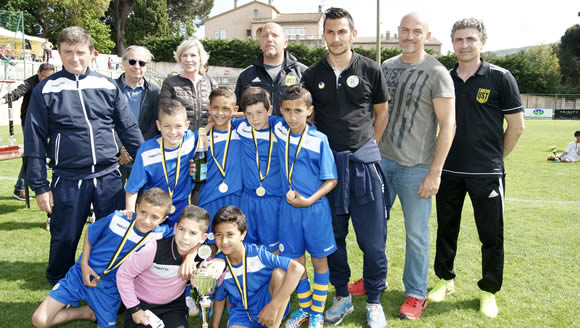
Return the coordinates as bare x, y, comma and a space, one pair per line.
149, 280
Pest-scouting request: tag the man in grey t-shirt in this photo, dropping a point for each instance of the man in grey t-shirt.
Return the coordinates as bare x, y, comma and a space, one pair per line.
422, 97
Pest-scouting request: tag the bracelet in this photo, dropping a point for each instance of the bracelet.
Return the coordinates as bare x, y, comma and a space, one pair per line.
135, 308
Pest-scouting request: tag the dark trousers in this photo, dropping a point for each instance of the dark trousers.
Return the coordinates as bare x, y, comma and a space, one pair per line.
370, 226
72, 202
173, 314
487, 196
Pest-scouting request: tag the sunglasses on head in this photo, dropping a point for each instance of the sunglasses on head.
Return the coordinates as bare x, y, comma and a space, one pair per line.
135, 61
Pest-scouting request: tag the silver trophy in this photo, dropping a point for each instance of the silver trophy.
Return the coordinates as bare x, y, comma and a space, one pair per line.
205, 284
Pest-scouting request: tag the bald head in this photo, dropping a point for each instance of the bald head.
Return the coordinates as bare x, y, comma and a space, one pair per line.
416, 18
272, 43
413, 32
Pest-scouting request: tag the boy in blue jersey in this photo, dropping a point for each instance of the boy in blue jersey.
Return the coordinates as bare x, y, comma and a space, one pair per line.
163, 161
308, 174
257, 283
262, 192
224, 172
108, 242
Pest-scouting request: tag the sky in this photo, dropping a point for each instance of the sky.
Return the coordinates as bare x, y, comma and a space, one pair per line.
509, 23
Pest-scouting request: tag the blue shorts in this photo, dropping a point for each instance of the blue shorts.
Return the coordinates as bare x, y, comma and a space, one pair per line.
306, 229
262, 216
239, 317
214, 206
103, 299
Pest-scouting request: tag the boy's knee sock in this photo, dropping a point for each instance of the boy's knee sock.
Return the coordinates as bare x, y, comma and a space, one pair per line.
320, 292
304, 294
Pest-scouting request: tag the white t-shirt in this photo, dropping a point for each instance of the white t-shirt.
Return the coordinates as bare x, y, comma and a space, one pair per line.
572, 151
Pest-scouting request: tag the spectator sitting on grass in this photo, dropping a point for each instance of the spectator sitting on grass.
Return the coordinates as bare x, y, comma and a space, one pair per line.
571, 154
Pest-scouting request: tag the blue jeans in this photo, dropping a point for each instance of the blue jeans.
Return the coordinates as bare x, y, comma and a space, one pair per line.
404, 182
20, 180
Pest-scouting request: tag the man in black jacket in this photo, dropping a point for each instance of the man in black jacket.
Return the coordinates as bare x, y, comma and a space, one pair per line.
274, 70
25, 90
142, 97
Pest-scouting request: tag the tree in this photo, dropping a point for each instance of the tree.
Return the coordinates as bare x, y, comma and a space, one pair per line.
119, 13
536, 70
148, 19
569, 52
100, 32
183, 12
47, 18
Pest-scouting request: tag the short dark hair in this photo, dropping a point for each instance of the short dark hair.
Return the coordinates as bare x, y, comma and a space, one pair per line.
222, 92
76, 34
46, 67
197, 214
466, 23
156, 197
171, 107
577, 133
255, 95
230, 214
338, 13
296, 91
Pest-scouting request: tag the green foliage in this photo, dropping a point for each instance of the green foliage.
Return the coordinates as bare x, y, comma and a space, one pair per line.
234, 53
184, 13
536, 70
162, 48
149, 19
449, 60
569, 54
101, 33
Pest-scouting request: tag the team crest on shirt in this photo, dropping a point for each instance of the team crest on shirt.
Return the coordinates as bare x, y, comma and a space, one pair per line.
290, 80
352, 81
321, 85
482, 95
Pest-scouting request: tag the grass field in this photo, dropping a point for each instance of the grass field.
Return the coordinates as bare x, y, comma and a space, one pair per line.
542, 246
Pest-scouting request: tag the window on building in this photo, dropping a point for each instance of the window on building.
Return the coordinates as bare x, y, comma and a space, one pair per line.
220, 34
294, 33
248, 33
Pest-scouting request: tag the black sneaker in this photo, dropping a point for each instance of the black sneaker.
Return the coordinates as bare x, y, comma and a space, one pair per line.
19, 194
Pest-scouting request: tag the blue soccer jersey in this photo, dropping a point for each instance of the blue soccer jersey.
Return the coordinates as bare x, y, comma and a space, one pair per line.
148, 171
251, 176
210, 190
259, 263
106, 234
314, 163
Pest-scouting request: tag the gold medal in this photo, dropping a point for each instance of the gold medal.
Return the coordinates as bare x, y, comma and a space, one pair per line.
290, 169
223, 188
97, 280
172, 209
260, 191
291, 194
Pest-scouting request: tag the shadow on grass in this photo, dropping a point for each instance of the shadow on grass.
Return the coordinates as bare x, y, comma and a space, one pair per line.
8, 208
32, 273
11, 225
450, 305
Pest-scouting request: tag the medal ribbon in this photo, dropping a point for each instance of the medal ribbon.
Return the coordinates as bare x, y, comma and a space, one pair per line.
289, 173
243, 289
112, 267
221, 168
165, 168
258, 156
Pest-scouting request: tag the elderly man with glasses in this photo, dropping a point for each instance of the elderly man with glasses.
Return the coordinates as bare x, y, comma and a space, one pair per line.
141, 95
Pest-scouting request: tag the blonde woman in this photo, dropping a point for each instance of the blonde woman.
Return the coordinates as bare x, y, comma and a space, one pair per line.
190, 87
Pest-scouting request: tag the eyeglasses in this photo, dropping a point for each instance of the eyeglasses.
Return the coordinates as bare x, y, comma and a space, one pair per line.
135, 61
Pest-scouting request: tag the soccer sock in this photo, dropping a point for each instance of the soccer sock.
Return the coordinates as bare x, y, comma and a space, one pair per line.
304, 294
320, 292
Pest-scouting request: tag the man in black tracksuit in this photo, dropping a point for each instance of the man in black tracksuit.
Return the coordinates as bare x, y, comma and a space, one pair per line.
274, 70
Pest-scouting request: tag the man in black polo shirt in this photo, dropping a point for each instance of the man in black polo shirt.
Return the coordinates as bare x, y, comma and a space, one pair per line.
274, 70
350, 102
485, 95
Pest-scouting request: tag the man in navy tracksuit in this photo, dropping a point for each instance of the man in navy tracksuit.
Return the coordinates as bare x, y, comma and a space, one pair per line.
72, 119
